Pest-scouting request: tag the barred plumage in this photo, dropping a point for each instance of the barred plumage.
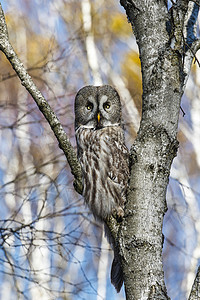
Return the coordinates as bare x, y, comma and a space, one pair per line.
103, 157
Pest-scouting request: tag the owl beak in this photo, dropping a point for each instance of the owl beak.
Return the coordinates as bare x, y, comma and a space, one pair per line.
98, 117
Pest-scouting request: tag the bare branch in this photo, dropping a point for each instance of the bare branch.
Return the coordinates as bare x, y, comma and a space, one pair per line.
43, 105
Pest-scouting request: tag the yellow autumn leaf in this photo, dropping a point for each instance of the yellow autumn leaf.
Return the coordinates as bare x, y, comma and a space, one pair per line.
119, 25
131, 69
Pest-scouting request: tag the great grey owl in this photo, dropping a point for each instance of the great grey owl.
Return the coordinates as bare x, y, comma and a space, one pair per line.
103, 157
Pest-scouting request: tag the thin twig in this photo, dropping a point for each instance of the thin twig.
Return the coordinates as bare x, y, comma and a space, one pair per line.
193, 52
27, 82
182, 111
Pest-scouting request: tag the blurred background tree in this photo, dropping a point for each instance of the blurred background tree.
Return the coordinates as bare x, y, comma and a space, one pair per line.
51, 247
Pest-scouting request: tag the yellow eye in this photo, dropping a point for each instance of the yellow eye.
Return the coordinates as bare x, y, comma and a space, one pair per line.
106, 106
89, 107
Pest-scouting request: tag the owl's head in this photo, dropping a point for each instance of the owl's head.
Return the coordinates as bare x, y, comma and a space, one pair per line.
97, 107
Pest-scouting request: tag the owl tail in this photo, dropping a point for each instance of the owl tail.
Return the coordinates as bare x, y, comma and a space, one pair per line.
116, 273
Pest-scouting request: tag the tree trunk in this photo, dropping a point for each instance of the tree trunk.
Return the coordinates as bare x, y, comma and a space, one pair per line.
161, 47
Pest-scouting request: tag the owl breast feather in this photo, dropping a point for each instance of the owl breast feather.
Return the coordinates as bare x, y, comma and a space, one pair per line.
104, 160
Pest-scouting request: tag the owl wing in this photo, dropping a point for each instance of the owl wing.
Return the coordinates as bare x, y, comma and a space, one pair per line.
118, 168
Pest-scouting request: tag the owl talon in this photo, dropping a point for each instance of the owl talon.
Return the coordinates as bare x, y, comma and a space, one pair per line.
118, 213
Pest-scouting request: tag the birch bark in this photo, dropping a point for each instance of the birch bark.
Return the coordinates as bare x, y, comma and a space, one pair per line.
165, 61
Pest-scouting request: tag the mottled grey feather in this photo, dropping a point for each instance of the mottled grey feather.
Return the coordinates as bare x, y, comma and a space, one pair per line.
103, 157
